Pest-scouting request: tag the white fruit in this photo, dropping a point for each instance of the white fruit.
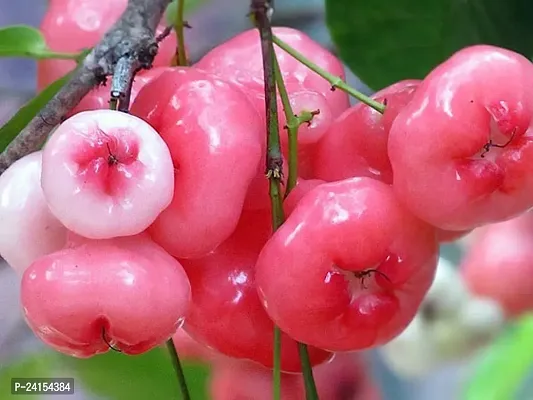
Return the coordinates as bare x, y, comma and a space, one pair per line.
28, 230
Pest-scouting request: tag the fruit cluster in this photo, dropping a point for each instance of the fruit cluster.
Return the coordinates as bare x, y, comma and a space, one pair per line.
126, 227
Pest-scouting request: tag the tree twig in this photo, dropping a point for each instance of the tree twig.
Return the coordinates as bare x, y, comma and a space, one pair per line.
131, 39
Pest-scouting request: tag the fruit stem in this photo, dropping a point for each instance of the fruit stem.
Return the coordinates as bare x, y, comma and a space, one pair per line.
309, 382
276, 378
179, 370
335, 81
261, 12
179, 25
293, 124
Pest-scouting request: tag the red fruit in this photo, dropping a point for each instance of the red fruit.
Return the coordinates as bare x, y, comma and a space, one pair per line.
216, 142
498, 264
356, 143
73, 25
445, 169
226, 313
126, 292
239, 60
316, 275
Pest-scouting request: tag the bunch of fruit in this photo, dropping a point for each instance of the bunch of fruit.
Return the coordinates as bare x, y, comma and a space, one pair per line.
126, 227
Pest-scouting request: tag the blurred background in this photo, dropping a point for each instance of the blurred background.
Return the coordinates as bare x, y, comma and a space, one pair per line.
113, 376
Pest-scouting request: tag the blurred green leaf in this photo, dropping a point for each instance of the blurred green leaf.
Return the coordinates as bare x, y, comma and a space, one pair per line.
25, 114
385, 41
503, 368
39, 365
172, 9
21, 41
147, 376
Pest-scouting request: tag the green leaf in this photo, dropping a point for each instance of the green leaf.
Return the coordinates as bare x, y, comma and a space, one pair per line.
41, 365
147, 376
32, 108
172, 9
385, 41
503, 368
21, 41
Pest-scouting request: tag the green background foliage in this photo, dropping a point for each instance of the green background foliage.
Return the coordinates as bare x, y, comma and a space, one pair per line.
389, 40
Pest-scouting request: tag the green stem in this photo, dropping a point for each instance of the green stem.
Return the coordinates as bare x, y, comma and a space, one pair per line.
276, 378
273, 78
178, 369
309, 381
335, 81
260, 11
293, 124
292, 128
179, 28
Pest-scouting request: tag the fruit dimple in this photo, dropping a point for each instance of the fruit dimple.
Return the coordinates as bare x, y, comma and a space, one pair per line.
109, 163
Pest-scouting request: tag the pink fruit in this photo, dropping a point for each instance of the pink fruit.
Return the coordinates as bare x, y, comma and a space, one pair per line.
356, 143
226, 313
72, 25
106, 174
239, 60
446, 167
28, 230
317, 274
498, 264
126, 292
216, 141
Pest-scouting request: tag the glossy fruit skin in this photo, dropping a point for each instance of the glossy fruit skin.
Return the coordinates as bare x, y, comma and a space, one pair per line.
356, 142
436, 142
305, 273
73, 25
226, 313
216, 141
128, 289
28, 230
498, 264
106, 174
239, 60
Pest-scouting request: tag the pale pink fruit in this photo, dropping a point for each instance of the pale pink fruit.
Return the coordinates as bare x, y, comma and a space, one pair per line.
107, 174
124, 292
28, 230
